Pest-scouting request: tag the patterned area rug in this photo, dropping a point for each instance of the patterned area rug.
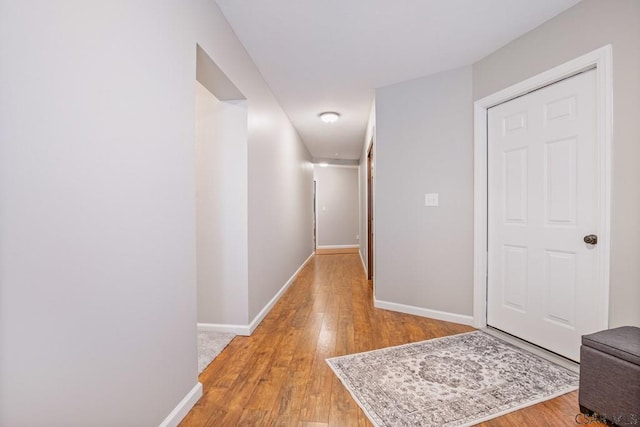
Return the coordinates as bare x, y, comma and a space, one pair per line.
458, 380
210, 344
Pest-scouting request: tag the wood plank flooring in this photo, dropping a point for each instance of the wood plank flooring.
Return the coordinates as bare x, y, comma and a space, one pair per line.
279, 377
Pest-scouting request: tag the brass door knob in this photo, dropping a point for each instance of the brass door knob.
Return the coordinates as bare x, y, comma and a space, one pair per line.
591, 239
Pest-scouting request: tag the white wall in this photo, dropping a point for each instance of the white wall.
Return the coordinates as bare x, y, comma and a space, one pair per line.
337, 205
97, 205
221, 209
424, 141
587, 26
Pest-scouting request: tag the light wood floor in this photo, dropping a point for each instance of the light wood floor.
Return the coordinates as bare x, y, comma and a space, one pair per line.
278, 376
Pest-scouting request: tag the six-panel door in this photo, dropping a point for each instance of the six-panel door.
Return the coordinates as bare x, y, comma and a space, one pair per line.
542, 183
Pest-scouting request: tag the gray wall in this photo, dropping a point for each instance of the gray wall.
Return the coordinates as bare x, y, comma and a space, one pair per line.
424, 145
280, 209
280, 173
587, 26
97, 213
97, 205
221, 209
415, 155
337, 205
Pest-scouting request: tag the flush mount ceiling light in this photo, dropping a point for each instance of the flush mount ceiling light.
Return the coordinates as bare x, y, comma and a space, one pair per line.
329, 116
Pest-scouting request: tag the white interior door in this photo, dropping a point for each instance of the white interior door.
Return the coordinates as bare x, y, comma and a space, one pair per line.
542, 202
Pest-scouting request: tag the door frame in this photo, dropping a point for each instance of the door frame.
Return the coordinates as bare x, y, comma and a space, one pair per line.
370, 213
600, 60
315, 215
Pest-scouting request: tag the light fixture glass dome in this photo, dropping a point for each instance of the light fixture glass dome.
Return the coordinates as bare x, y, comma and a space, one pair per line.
329, 116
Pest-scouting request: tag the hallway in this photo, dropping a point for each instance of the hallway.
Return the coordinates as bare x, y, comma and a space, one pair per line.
278, 376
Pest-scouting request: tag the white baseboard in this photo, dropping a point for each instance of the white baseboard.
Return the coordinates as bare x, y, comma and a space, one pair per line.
247, 330
185, 405
364, 266
338, 246
267, 308
218, 327
424, 312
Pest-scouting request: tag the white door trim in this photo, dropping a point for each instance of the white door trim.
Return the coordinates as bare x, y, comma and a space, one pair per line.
601, 60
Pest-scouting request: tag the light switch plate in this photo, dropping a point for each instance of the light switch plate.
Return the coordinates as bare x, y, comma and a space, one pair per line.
431, 199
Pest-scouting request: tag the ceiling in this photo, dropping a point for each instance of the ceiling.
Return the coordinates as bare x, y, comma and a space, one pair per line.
330, 55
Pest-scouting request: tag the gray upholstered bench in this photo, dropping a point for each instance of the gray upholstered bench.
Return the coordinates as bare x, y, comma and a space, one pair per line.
610, 375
